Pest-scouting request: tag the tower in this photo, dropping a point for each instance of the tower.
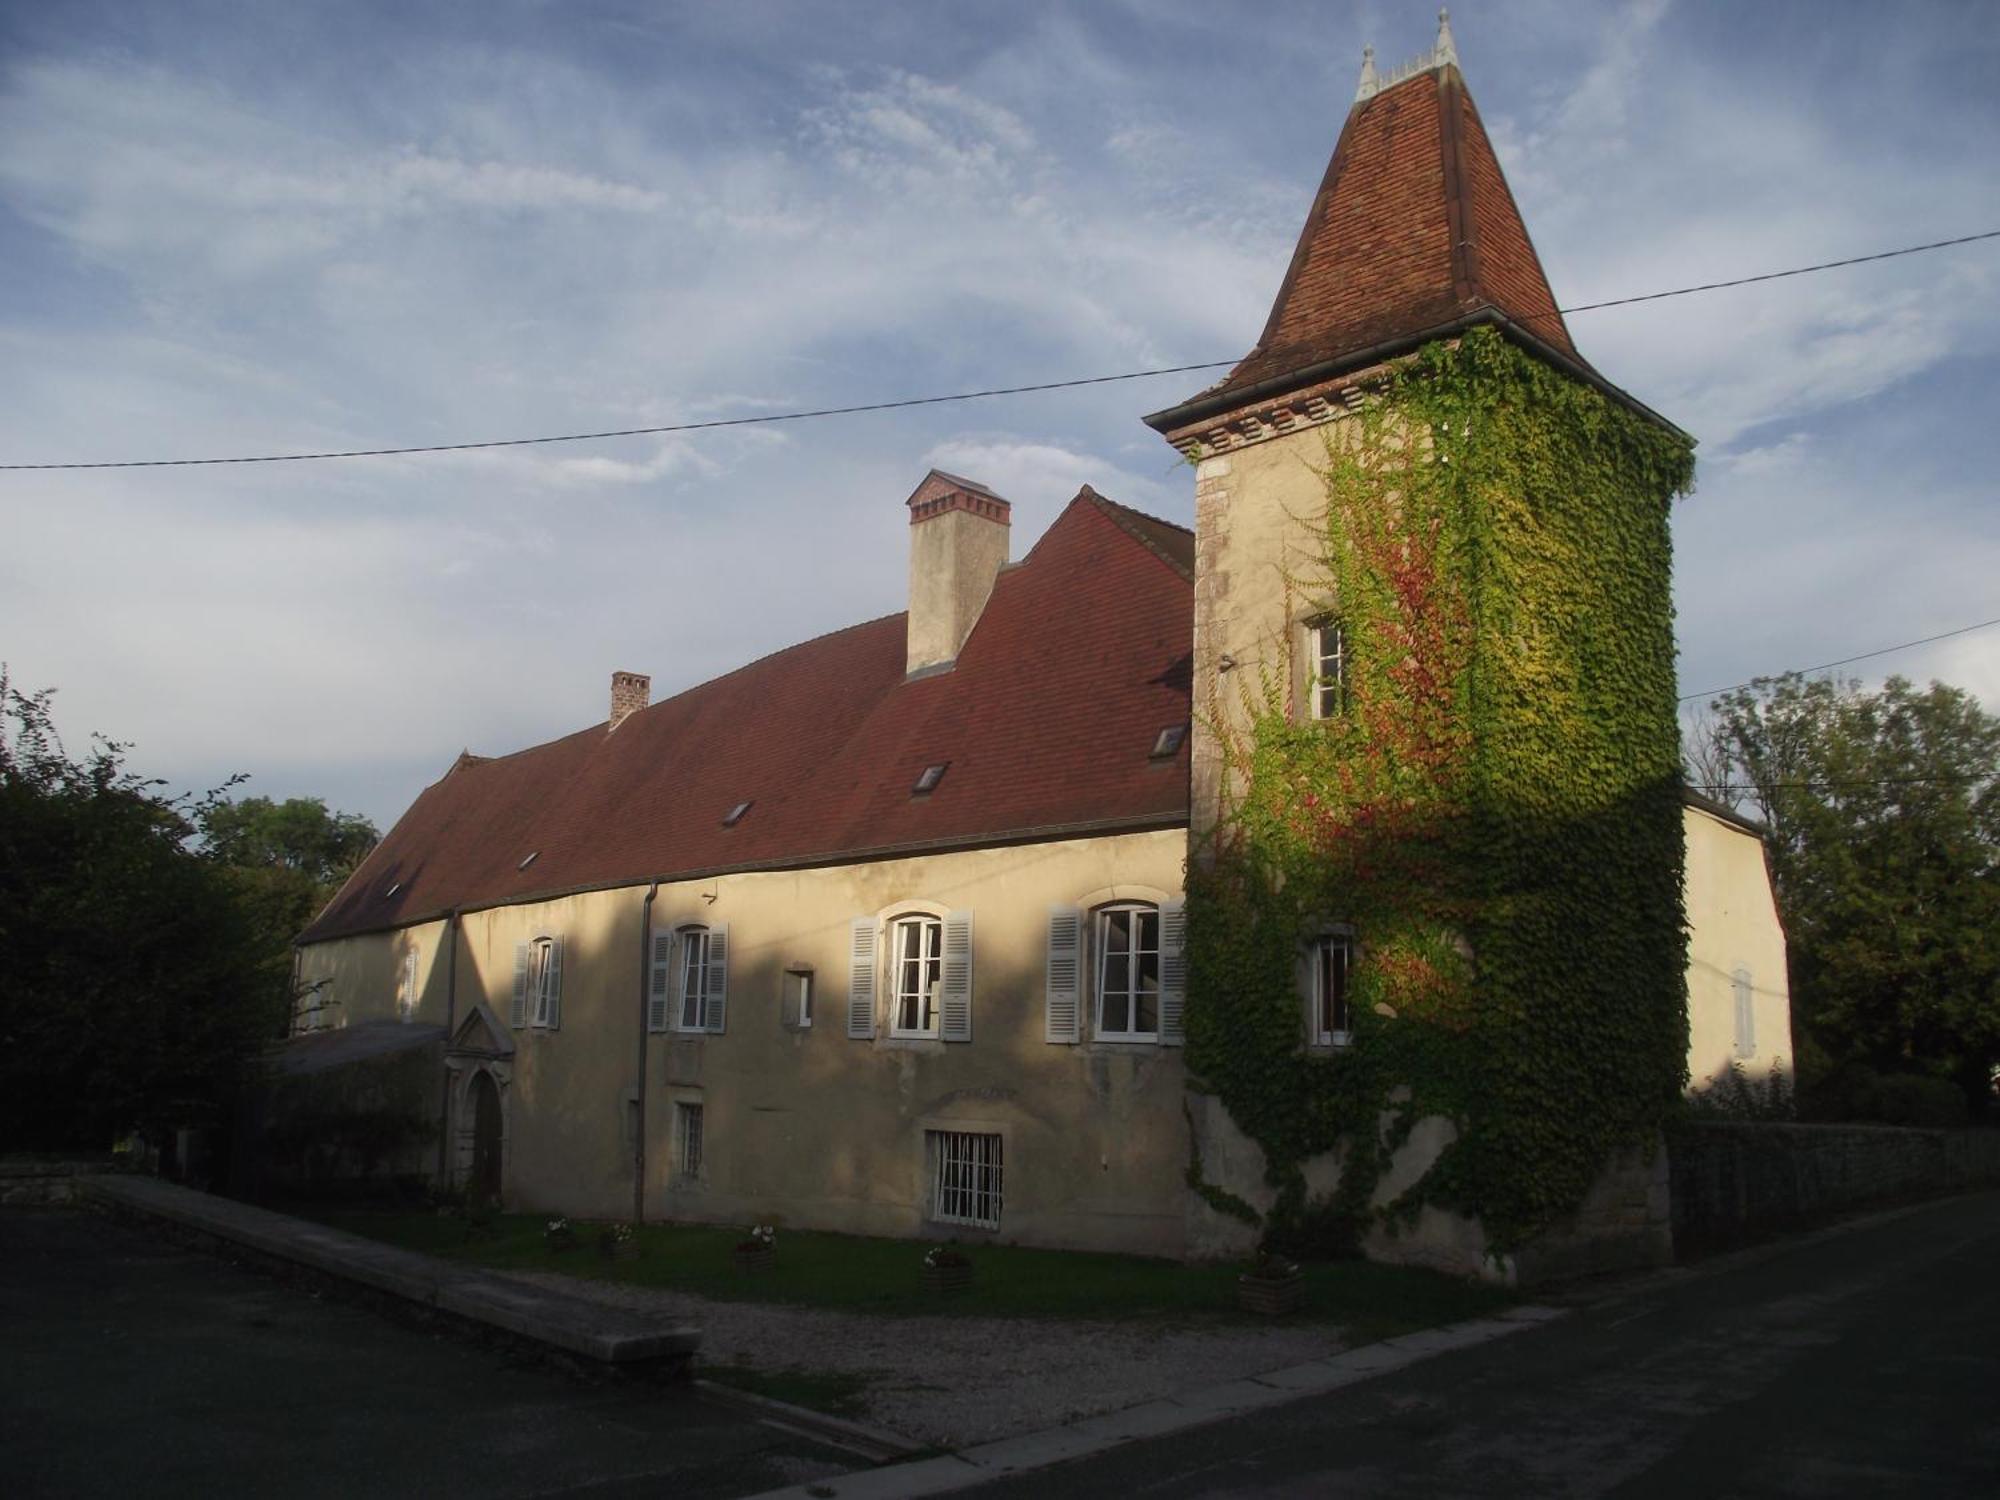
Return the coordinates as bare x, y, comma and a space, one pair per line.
1435, 799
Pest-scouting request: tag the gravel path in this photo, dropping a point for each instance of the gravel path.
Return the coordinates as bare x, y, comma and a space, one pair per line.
955, 1381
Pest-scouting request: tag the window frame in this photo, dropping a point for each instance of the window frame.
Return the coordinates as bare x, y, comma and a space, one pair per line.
797, 997
1318, 686
683, 949
689, 1144
1099, 957
980, 1169
1322, 1036
932, 926
542, 975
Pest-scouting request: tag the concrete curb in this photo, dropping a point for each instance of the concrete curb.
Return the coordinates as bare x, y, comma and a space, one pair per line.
1197, 1408
601, 1337
876, 1444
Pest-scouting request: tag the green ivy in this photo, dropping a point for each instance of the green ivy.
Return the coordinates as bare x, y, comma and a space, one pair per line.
1495, 812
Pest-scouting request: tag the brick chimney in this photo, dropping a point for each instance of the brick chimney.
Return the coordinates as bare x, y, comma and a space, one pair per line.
630, 692
958, 544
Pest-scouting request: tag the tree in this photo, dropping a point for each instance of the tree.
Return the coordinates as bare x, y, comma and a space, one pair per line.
285, 861
133, 994
1884, 811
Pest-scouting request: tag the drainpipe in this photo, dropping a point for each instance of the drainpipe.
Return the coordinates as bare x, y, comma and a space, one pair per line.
451, 925
639, 1106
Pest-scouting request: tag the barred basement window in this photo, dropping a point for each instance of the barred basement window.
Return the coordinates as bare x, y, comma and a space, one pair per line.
965, 1177
687, 1123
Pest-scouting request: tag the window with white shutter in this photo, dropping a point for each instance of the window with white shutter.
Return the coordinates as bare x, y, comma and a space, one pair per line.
1745, 996
406, 987
1173, 972
955, 992
659, 985
861, 979
1063, 1008
713, 1011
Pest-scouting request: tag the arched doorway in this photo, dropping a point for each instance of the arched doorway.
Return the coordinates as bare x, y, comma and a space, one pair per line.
484, 1184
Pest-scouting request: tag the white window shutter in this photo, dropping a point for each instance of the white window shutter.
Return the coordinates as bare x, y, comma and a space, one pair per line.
1065, 974
554, 984
1173, 970
861, 979
1746, 1013
718, 977
520, 1017
660, 986
407, 1001
955, 993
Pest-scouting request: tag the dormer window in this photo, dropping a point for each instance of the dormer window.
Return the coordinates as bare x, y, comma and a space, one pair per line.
735, 815
927, 783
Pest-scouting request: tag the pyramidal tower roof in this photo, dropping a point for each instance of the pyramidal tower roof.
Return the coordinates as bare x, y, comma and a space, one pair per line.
1413, 235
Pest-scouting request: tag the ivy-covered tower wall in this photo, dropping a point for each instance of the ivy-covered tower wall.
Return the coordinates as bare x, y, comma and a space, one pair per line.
1481, 818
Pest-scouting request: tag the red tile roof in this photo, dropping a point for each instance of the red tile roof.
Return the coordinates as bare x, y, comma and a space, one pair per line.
1047, 719
1413, 232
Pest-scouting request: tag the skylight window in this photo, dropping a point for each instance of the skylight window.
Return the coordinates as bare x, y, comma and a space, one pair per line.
735, 815
531, 856
1168, 742
927, 783
394, 886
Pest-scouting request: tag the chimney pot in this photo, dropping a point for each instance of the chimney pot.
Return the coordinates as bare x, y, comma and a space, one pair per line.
959, 532
630, 692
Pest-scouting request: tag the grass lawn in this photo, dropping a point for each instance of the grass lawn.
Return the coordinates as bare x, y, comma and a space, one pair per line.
851, 1273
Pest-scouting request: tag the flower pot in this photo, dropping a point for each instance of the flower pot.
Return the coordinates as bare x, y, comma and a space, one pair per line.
1271, 1296
947, 1281
760, 1259
621, 1249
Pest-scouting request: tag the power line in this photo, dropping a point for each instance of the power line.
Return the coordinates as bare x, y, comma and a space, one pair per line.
1825, 265
1943, 635
872, 406
1751, 786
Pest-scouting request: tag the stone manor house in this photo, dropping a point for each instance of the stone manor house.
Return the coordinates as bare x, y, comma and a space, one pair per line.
883, 933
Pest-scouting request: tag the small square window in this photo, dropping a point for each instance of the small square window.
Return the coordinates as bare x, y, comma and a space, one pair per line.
965, 1177
927, 783
1168, 742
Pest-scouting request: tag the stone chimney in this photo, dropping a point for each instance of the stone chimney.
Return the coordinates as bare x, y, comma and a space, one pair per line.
958, 545
630, 692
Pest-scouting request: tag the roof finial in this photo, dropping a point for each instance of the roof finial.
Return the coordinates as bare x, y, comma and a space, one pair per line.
1446, 50
1368, 85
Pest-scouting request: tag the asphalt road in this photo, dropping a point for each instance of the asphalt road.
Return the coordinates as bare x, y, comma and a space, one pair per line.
132, 1367
1862, 1362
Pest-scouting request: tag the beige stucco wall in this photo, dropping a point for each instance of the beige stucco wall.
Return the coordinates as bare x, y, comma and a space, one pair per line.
1259, 540
360, 980
1732, 922
808, 1127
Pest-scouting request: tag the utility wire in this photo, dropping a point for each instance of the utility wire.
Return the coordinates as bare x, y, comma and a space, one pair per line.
1943, 635
1751, 786
848, 411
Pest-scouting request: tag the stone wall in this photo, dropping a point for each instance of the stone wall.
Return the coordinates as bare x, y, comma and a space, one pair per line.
1735, 1181
40, 1182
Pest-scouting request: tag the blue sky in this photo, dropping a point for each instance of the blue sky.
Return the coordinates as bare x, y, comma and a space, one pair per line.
237, 228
